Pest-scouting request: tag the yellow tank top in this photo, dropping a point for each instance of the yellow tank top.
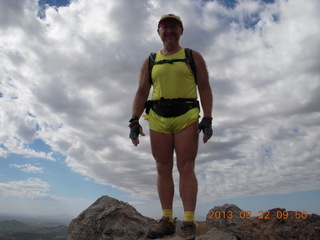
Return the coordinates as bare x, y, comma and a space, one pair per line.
173, 80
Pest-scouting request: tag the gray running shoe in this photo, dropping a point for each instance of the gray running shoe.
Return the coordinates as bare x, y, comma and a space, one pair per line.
188, 231
162, 228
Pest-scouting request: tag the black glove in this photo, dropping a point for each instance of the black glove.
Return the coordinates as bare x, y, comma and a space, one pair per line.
134, 130
205, 126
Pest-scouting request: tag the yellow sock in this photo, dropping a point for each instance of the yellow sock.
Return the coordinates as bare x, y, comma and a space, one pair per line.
188, 216
168, 213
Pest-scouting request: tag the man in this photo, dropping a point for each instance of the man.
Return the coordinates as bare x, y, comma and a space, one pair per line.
173, 121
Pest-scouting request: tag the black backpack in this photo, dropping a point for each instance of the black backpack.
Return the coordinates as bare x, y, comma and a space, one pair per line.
189, 60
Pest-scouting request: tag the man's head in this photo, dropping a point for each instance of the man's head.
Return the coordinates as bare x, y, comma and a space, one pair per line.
170, 19
170, 28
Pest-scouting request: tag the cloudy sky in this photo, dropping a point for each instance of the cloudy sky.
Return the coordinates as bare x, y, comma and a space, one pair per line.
69, 72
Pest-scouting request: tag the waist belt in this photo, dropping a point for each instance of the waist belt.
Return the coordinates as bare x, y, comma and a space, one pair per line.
171, 107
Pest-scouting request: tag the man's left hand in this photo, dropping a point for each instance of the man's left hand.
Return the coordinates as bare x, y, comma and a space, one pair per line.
206, 126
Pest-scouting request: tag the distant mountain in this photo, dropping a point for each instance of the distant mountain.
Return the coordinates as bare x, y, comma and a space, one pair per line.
38, 219
12, 224
13, 229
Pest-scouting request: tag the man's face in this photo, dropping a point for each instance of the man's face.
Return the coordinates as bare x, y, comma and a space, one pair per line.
170, 31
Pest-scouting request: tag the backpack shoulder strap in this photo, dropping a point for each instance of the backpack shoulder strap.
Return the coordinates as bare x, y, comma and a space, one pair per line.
191, 62
152, 60
189, 58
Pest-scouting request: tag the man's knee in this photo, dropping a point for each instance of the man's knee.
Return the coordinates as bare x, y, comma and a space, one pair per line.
164, 168
186, 168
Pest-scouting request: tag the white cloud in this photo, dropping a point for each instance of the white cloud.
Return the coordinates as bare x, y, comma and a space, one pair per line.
3, 153
28, 168
29, 188
31, 197
70, 79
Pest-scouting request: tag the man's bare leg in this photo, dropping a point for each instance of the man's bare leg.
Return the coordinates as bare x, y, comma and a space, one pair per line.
162, 150
186, 146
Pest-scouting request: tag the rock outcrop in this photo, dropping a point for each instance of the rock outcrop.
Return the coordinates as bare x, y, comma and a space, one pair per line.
111, 219
274, 224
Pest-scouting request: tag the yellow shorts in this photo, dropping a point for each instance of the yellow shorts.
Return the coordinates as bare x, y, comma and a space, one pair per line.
174, 124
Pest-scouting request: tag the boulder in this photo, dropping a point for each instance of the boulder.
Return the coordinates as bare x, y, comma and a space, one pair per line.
109, 219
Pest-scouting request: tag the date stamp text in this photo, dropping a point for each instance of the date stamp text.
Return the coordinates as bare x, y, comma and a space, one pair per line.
261, 215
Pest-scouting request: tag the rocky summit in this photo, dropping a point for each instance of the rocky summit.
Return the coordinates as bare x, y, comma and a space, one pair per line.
111, 219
